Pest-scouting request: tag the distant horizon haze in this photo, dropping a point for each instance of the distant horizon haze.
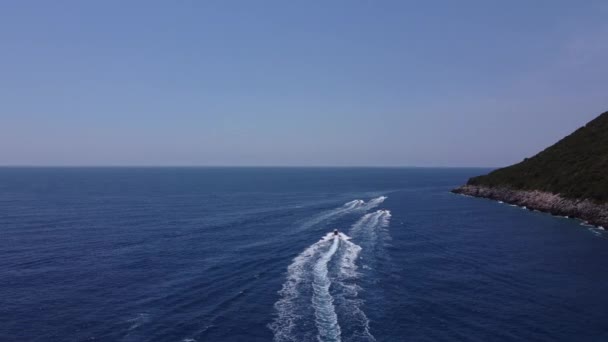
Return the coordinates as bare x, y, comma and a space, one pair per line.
288, 84
178, 166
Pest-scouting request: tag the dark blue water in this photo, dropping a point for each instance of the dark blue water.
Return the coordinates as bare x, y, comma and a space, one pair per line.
220, 254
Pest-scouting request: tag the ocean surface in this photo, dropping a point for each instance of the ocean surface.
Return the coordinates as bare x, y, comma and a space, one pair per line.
248, 254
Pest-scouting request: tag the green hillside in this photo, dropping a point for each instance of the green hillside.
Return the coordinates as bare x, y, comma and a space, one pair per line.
575, 167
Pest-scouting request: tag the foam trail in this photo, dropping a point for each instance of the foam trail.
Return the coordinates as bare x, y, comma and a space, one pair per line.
348, 207
348, 267
325, 312
334, 213
348, 290
349, 305
374, 202
291, 307
385, 219
298, 274
368, 224
353, 204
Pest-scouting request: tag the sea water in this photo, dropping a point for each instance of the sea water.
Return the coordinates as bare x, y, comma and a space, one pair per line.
249, 254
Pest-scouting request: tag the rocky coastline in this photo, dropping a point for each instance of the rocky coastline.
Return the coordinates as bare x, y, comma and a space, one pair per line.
583, 209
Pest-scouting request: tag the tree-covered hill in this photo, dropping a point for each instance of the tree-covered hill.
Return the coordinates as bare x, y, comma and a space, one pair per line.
575, 167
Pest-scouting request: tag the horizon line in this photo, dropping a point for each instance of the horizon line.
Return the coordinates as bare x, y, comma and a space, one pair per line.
251, 166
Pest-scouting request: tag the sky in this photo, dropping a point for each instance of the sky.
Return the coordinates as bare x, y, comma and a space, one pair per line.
296, 83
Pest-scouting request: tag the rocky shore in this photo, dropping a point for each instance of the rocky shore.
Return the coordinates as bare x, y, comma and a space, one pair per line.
586, 210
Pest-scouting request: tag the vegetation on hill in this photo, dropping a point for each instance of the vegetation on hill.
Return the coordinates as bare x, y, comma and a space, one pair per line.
575, 167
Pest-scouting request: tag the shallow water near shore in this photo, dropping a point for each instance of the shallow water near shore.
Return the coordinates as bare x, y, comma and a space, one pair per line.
248, 254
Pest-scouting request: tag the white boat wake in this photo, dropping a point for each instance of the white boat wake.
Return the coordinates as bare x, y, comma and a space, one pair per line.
322, 301
368, 227
366, 231
322, 282
348, 208
292, 303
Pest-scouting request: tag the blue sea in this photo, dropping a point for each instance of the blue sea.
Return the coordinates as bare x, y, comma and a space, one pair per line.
249, 254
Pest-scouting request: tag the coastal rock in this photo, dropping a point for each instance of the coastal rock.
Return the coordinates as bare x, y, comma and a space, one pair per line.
584, 209
567, 178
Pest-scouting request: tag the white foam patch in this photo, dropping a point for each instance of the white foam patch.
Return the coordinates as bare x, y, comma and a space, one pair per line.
366, 230
139, 320
357, 205
595, 231
356, 320
287, 307
354, 204
374, 202
369, 223
326, 318
333, 214
348, 267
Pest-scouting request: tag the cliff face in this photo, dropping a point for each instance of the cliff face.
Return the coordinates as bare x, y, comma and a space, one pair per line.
575, 167
584, 209
569, 178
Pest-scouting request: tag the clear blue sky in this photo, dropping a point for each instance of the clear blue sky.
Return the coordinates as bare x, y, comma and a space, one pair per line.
378, 83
